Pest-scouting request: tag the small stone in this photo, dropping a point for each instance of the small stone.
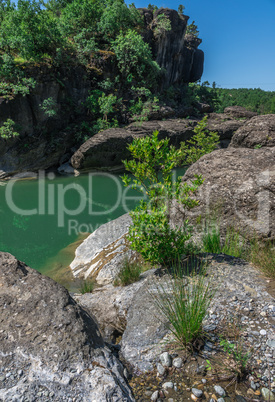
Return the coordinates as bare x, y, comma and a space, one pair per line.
220, 400
219, 390
2, 378
267, 395
8, 375
197, 392
167, 385
161, 370
213, 396
263, 332
212, 400
203, 381
257, 392
272, 385
20, 372
154, 396
177, 362
166, 359
194, 398
271, 343
263, 314
252, 385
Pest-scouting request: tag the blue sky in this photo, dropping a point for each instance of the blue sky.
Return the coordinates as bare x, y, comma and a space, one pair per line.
238, 39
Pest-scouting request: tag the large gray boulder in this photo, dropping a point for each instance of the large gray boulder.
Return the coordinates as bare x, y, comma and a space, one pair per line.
109, 305
239, 112
102, 253
238, 191
257, 132
50, 347
109, 147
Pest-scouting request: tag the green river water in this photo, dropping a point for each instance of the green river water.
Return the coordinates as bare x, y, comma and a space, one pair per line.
43, 220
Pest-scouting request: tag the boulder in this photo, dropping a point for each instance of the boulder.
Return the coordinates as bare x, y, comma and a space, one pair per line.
238, 190
146, 331
102, 253
257, 132
109, 147
109, 305
50, 347
225, 126
239, 112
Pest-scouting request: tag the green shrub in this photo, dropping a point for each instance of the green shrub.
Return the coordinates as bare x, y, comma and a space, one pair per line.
203, 142
7, 130
134, 59
49, 107
154, 160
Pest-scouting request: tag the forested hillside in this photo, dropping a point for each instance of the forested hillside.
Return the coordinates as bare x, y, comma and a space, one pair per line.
256, 100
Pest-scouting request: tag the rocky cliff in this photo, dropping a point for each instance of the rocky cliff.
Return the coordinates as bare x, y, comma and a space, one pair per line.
69, 86
173, 50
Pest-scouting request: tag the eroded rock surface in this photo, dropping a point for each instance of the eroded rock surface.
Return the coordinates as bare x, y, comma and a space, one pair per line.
238, 190
258, 132
109, 147
50, 347
102, 253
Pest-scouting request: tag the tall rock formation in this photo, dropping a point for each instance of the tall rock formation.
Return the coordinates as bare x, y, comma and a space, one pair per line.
174, 50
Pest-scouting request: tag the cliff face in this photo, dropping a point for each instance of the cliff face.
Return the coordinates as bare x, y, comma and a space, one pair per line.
41, 143
173, 50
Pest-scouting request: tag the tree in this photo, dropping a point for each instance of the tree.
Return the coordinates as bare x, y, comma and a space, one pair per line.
134, 59
152, 166
192, 29
181, 9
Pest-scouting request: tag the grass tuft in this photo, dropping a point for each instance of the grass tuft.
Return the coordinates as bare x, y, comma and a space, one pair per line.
183, 300
263, 256
87, 286
129, 272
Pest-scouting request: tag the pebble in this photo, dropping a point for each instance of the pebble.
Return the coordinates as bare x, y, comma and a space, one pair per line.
177, 362
268, 395
197, 392
168, 384
166, 359
160, 369
154, 396
263, 332
252, 385
220, 400
219, 390
203, 381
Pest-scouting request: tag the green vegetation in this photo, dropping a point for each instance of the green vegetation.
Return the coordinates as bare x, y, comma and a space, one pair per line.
234, 244
7, 130
87, 286
183, 300
255, 100
129, 272
49, 107
152, 166
192, 29
261, 254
